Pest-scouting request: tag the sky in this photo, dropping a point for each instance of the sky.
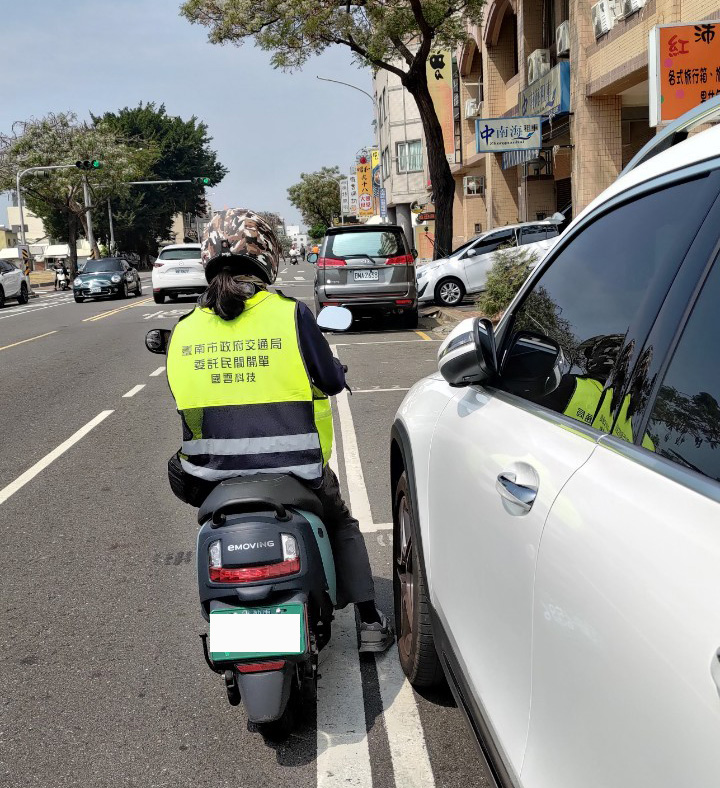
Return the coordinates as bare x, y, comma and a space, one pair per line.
267, 126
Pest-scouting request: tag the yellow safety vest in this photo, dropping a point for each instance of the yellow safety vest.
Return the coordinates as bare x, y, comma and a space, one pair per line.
247, 403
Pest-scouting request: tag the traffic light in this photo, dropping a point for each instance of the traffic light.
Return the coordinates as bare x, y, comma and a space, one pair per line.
202, 180
89, 164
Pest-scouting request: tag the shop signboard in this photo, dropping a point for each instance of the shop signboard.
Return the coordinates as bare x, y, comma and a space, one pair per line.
549, 95
683, 68
439, 70
364, 187
497, 135
383, 203
344, 196
353, 194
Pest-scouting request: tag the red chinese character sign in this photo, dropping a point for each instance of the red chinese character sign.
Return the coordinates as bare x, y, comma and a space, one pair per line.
684, 68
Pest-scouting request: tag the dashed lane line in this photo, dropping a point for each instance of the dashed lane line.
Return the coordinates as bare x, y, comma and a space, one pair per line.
48, 459
115, 311
157, 372
31, 339
134, 390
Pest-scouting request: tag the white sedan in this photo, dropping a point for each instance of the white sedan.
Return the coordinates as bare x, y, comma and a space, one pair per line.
448, 281
557, 499
178, 271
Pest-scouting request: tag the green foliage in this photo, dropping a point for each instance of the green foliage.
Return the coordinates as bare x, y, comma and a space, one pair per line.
317, 231
317, 197
276, 222
510, 268
143, 214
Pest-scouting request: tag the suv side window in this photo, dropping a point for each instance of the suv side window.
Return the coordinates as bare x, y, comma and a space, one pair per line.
684, 424
529, 235
601, 294
495, 241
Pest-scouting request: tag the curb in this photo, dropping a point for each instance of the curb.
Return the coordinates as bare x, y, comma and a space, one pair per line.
449, 315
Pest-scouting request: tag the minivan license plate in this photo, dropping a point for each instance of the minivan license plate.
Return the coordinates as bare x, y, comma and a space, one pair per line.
371, 276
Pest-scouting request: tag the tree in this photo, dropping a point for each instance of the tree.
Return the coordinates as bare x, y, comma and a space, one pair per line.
317, 197
395, 35
57, 196
143, 214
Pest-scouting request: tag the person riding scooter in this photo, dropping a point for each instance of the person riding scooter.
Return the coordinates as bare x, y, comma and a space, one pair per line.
251, 373
59, 269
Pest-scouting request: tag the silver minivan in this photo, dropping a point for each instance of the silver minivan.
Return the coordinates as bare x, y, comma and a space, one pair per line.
370, 269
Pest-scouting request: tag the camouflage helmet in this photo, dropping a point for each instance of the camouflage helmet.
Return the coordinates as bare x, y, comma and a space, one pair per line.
240, 236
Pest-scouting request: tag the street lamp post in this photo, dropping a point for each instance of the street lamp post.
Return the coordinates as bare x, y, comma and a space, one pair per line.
377, 126
20, 174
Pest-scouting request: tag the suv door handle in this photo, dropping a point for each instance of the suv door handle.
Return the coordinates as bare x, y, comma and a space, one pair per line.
519, 495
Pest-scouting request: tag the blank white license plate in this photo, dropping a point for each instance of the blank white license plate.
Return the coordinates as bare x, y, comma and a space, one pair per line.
371, 276
255, 633
182, 270
95, 289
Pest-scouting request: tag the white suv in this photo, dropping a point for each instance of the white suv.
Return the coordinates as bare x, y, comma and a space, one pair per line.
13, 283
557, 499
178, 271
448, 281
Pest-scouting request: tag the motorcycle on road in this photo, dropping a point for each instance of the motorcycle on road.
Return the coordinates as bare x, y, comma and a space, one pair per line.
266, 580
63, 281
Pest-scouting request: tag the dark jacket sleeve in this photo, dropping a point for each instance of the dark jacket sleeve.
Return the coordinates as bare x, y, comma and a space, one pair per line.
325, 370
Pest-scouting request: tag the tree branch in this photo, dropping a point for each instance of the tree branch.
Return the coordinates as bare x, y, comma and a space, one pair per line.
403, 50
423, 24
355, 47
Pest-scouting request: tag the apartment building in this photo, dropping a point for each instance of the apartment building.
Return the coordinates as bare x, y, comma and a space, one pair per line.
583, 67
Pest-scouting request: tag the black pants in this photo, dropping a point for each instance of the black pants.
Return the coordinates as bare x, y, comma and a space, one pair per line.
352, 565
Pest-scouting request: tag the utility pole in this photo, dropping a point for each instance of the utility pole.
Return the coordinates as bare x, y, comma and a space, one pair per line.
88, 215
112, 228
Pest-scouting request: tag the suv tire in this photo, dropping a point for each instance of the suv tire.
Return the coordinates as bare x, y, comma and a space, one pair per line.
410, 319
449, 292
415, 643
24, 296
159, 298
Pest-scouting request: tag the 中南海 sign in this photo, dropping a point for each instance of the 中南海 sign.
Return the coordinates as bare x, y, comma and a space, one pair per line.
496, 135
683, 68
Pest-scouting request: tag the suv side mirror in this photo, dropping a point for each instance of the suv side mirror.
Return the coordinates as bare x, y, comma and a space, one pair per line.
312, 257
471, 253
157, 340
414, 252
469, 354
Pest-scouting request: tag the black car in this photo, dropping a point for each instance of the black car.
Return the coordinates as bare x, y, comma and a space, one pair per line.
107, 278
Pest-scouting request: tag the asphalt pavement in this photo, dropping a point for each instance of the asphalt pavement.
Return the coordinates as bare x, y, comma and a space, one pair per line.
102, 678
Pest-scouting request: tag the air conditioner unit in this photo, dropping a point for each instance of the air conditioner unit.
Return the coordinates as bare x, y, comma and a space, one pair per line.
471, 108
630, 7
562, 39
603, 17
538, 64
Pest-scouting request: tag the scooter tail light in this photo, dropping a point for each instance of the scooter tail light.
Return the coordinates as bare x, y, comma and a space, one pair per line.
254, 574
259, 667
330, 262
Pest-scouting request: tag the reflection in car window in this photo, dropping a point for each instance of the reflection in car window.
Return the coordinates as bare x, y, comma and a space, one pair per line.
372, 244
685, 420
599, 297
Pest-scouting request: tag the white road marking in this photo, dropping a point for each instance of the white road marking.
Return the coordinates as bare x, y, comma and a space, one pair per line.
134, 390
388, 342
299, 278
32, 308
359, 501
376, 391
39, 466
410, 759
157, 372
343, 755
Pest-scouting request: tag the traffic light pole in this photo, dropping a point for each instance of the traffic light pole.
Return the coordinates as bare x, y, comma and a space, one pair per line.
88, 215
20, 174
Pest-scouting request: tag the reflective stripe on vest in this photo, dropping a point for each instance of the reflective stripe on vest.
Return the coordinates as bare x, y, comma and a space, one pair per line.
247, 402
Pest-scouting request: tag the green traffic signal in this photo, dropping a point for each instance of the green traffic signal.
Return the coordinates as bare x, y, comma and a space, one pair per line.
96, 165
204, 180
86, 164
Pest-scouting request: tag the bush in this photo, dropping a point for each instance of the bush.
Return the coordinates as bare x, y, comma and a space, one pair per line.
510, 268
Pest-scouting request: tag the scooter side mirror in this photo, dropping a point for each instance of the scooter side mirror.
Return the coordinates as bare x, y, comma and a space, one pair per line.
312, 258
157, 340
334, 318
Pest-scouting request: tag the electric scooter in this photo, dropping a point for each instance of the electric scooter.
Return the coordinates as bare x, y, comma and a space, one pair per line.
266, 579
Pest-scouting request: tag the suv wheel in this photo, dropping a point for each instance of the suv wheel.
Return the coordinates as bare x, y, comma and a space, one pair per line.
416, 647
24, 296
410, 319
449, 292
159, 298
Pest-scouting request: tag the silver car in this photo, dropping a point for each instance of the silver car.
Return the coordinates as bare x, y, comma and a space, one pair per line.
368, 269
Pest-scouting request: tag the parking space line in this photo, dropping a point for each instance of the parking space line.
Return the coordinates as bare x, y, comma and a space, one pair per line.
134, 390
359, 501
157, 372
31, 339
39, 466
376, 391
387, 342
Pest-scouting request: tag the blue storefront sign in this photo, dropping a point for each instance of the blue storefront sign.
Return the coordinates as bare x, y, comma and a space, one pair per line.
383, 203
549, 95
496, 135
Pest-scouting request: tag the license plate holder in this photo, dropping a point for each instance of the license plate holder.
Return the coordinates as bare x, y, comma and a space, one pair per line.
246, 633
95, 289
366, 276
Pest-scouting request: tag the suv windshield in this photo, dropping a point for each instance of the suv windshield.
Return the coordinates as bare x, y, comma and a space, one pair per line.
365, 244
102, 266
180, 254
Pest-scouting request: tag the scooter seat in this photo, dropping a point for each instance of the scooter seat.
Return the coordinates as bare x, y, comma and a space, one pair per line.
277, 487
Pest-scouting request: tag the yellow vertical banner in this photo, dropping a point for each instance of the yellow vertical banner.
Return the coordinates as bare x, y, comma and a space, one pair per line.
439, 76
365, 189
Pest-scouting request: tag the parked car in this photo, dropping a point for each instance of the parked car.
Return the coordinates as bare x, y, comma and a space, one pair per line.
105, 278
448, 281
13, 283
557, 499
178, 271
368, 269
